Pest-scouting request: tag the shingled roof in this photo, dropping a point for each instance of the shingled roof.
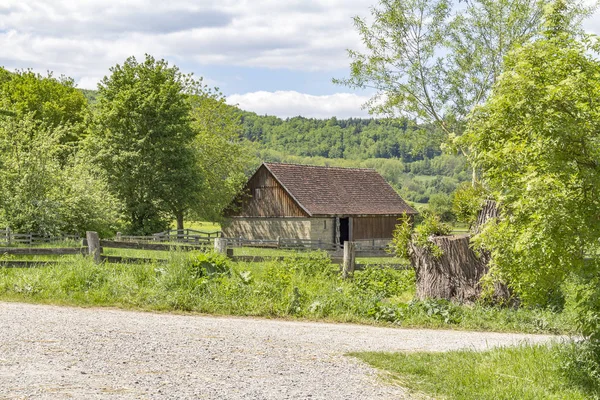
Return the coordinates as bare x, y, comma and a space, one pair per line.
339, 191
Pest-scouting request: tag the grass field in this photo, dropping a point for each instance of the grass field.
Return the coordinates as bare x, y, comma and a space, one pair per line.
559, 371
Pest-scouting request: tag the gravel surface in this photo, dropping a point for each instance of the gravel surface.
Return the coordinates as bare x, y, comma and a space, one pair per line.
49, 352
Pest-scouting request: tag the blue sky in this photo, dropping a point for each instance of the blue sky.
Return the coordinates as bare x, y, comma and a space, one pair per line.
269, 56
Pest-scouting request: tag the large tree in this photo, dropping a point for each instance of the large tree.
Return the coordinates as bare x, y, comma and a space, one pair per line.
143, 138
435, 60
536, 142
221, 155
42, 192
170, 144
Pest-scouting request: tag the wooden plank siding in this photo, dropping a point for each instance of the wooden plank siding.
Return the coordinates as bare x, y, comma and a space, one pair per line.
265, 197
374, 227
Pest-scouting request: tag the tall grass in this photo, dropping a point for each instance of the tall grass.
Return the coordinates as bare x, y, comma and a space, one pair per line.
307, 286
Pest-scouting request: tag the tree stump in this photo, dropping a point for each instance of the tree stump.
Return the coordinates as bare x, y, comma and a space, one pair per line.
453, 276
456, 275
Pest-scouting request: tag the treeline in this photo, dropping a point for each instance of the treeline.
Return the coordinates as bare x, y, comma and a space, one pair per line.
353, 138
156, 146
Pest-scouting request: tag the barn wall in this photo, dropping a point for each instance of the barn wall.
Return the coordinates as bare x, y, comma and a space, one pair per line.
268, 228
288, 228
265, 197
373, 227
322, 229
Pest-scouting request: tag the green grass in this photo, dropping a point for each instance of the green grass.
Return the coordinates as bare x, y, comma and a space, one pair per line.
559, 371
306, 286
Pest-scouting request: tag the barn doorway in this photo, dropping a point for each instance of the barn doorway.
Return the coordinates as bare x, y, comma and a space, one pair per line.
344, 230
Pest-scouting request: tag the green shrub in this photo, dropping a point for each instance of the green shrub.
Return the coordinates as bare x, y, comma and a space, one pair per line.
384, 282
207, 264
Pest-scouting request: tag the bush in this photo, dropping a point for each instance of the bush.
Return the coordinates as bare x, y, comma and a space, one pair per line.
384, 282
208, 264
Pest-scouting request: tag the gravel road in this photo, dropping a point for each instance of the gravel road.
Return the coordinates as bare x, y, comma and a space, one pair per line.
49, 352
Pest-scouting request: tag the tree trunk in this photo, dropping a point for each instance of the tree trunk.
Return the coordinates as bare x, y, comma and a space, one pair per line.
489, 211
456, 275
180, 228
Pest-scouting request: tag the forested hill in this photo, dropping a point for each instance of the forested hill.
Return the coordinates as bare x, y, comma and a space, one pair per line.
353, 138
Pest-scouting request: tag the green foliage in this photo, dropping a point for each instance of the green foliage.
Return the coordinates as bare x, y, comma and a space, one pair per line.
430, 226
559, 371
55, 102
537, 145
580, 363
314, 264
169, 144
441, 204
401, 237
221, 156
404, 234
467, 202
304, 288
433, 63
44, 193
207, 264
143, 139
352, 138
384, 282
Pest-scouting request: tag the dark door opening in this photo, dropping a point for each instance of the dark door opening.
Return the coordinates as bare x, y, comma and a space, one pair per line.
344, 230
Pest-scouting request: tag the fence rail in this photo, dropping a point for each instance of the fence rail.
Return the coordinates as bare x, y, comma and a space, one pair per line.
9, 237
191, 236
92, 245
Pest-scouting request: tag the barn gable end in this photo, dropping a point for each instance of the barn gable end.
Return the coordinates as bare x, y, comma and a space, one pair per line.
264, 196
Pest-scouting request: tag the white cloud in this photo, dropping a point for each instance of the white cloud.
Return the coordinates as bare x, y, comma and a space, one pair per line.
290, 104
83, 38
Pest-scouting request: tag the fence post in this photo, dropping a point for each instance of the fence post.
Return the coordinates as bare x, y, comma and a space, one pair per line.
348, 265
221, 246
94, 250
119, 235
8, 235
278, 242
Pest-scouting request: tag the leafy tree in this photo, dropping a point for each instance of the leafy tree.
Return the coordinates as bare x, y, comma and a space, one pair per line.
43, 194
432, 66
467, 202
54, 101
427, 64
143, 139
537, 144
441, 204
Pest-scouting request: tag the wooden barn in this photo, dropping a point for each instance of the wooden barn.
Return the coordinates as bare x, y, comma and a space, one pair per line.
316, 203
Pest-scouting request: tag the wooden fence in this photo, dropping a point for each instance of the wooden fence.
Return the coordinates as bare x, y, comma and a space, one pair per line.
95, 247
181, 236
8, 238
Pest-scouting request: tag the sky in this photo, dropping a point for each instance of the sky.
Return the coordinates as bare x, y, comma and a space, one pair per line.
274, 57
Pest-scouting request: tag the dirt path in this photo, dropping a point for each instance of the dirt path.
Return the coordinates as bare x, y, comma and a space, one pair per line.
49, 352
